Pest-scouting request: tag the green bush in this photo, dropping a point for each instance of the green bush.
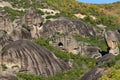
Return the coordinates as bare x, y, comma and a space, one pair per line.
4, 67
94, 41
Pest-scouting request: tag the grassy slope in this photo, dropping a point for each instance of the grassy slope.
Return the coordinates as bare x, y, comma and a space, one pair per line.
107, 14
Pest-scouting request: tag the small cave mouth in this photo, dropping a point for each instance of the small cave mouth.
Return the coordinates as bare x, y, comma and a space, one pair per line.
60, 44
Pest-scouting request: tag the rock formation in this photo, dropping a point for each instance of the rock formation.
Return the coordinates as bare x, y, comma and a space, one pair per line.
112, 42
5, 23
26, 56
20, 33
98, 71
4, 39
68, 26
66, 42
33, 21
69, 44
7, 76
91, 51
105, 58
93, 74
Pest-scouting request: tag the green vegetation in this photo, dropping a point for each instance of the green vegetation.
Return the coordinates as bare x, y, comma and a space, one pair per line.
4, 67
13, 14
113, 71
94, 41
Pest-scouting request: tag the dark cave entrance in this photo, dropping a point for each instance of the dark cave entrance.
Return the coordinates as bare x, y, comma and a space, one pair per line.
60, 44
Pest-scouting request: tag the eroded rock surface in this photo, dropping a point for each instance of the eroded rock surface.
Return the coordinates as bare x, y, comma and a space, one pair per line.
68, 26
93, 74
5, 23
4, 39
27, 56
7, 76
20, 33
69, 44
33, 21
112, 39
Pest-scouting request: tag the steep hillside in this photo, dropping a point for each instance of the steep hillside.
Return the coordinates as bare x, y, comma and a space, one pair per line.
60, 39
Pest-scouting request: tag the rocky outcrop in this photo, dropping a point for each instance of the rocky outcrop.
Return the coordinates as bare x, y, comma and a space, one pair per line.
69, 44
4, 39
112, 42
5, 23
20, 33
33, 21
93, 74
65, 42
91, 51
31, 18
68, 26
7, 76
26, 56
105, 58
98, 71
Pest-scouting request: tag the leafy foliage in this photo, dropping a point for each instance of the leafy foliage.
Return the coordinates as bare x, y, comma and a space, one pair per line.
94, 41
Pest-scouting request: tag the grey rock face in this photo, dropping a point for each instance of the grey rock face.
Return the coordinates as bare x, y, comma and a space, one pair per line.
69, 44
5, 23
7, 76
20, 33
93, 74
4, 39
31, 18
92, 52
26, 56
112, 39
105, 58
66, 42
33, 21
68, 26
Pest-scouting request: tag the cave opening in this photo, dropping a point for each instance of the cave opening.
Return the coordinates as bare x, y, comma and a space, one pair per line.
60, 44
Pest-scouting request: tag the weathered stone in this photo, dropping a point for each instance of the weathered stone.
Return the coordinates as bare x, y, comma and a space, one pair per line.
20, 33
68, 26
106, 58
92, 52
112, 42
66, 42
4, 39
33, 21
5, 23
7, 76
93, 74
26, 56
69, 44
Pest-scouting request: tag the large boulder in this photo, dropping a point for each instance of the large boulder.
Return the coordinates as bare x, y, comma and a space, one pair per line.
106, 58
112, 40
26, 56
93, 74
68, 26
66, 42
91, 51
